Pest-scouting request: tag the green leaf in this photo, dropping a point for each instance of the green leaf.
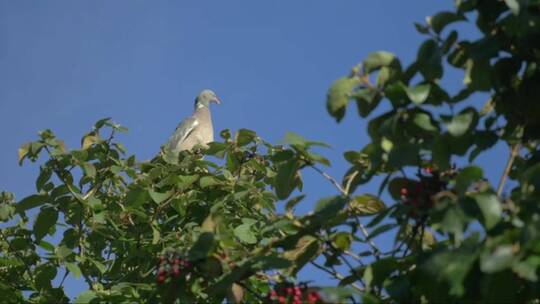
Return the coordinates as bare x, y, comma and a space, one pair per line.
466, 177
424, 122
440, 20
202, 247
419, 93
159, 197
45, 174
463, 122
216, 149
514, 6
490, 207
85, 297
376, 60
270, 262
366, 204
74, 269
88, 140
89, 170
429, 60
155, 235
45, 221
294, 139
502, 258
339, 95
245, 136
478, 74
285, 180
209, 181
245, 234
23, 152
452, 266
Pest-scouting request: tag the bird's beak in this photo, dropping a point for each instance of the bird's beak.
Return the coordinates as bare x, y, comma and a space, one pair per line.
217, 100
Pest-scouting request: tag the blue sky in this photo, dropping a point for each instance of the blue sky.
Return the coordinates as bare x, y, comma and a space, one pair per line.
66, 64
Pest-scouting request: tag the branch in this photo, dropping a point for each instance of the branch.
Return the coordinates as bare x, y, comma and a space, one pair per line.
514, 151
336, 275
362, 228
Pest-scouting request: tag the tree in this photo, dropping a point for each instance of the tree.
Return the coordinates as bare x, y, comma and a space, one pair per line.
188, 229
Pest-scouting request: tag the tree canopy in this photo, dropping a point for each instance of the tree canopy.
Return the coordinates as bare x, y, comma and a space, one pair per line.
187, 229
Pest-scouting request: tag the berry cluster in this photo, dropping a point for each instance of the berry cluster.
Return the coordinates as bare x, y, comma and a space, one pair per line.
418, 194
172, 264
292, 294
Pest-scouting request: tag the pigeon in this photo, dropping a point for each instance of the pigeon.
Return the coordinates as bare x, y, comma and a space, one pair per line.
196, 130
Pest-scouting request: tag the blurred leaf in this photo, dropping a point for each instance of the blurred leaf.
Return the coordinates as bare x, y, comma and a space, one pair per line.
466, 177
462, 122
23, 152
478, 75
159, 197
294, 139
244, 234
85, 297
339, 95
89, 139
419, 93
74, 269
429, 60
285, 180
244, 137
424, 122
44, 222
366, 204
376, 60
440, 20
490, 208
452, 265
202, 247
208, 181
30, 202
502, 258
514, 6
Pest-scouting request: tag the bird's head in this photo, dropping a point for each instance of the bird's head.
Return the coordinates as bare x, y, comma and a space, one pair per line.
205, 98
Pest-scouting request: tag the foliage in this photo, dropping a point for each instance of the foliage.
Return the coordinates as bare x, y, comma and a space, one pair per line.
183, 228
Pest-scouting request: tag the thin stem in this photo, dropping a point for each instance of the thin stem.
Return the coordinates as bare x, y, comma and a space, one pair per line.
514, 151
362, 228
64, 278
336, 275
331, 179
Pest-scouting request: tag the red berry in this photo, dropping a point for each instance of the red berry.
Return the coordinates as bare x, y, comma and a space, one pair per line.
289, 290
428, 170
404, 191
273, 294
176, 272
297, 291
282, 300
177, 261
161, 278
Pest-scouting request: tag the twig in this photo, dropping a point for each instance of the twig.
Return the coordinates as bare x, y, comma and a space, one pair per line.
513, 153
64, 278
336, 275
331, 179
363, 229
349, 181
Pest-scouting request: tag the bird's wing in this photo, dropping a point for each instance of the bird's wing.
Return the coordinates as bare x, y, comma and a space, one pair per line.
182, 132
